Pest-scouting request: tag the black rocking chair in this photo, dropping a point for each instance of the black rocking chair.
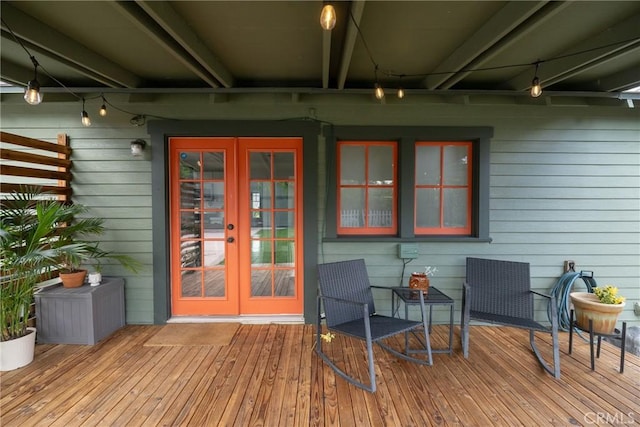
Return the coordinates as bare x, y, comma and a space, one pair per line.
500, 292
347, 299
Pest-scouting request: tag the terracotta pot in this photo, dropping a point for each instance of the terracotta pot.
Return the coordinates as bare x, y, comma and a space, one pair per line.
587, 306
419, 281
73, 280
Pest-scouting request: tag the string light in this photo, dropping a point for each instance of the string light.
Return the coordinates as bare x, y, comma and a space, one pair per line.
86, 121
32, 92
103, 109
328, 17
536, 89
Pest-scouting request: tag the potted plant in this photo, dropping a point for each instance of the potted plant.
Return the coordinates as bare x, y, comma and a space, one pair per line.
602, 307
29, 244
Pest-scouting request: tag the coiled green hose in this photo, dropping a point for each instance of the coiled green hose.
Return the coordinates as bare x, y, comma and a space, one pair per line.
561, 291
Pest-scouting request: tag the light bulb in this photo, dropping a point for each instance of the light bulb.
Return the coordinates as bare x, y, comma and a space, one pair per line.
400, 93
103, 110
379, 91
32, 93
328, 17
86, 121
536, 89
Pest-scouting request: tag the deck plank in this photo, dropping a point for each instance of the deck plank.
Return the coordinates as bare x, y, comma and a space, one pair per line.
270, 375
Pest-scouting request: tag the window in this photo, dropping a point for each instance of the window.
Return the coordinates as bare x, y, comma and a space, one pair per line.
443, 188
367, 196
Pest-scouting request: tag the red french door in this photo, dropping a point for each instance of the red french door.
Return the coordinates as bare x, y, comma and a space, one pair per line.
236, 222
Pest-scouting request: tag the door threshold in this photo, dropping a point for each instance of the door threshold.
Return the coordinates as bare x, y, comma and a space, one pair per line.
244, 319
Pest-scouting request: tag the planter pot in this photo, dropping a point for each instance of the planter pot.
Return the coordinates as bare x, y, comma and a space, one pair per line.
419, 281
604, 316
73, 280
18, 352
95, 278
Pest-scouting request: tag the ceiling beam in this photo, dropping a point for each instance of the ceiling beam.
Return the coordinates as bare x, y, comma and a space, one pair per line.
58, 45
595, 50
623, 80
164, 14
351, 36
145, 23
496, 28
524, 30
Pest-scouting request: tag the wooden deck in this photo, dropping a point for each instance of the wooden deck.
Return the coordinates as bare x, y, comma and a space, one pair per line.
270, 376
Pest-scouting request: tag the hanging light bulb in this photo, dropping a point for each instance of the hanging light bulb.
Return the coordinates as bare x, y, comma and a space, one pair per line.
379, 91
536, 89
86, 121
32, 92
328, 17
103, 109
400, 93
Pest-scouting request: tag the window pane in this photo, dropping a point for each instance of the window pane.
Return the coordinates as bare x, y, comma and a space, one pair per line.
213, 165
213, 195
427, 207
261, 252
261, 224
455, 165
455, 207
214, 251
352, 165
191, 283
352, 204
260, 165
189, 165
427, 165
190, 254
284, 224
284, 253
380, 165
284, 195
190, 225
189, 195
380, 207
214, 283
285, 284
283, 164
260, 195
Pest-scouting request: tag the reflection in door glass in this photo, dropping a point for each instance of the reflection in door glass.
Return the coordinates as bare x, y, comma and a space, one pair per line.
213, 165
283, 166
190, 283
260, 165
190, 225
214, 283
190, 165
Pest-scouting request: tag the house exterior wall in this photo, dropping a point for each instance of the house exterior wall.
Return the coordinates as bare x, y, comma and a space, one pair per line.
564, 181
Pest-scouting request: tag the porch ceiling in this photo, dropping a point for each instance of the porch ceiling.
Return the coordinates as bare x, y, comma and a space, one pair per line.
278, 46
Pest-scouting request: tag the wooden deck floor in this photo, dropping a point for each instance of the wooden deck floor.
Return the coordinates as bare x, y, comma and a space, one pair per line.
270, 376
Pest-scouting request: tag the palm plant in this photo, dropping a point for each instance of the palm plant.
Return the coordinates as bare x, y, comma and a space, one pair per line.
39, 235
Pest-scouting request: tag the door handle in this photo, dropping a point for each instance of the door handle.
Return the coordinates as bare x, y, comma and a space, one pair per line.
230, 239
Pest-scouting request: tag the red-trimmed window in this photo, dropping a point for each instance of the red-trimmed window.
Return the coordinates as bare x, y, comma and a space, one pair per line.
367, 193
443, 188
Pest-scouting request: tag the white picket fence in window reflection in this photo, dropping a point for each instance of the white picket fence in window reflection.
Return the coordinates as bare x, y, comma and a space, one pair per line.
355, 218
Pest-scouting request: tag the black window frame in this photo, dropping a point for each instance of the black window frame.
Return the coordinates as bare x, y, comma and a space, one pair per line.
406, 137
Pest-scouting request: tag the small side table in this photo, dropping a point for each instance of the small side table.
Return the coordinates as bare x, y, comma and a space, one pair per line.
623, 339
434, 297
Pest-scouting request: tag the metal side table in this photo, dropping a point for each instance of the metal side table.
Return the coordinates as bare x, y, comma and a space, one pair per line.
434, 297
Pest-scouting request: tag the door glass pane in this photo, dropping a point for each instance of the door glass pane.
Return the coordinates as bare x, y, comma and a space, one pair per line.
284, 195
285, 282
261, 226
427, 207
189, 195
261, 280
380, 165
352, 163
455, 207
283, 166
427, 165
380, 207
352, 205
213, 165
190, 225
189, 165
285, 222
261, 252
260, 195
284, 253
213, 195
214, 283
191, 283
260, 165
214, 250
455, 165
190, 254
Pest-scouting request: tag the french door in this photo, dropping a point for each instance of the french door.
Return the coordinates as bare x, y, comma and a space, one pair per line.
236, 226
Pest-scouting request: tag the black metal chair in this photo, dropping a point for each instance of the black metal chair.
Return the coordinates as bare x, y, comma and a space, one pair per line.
500, 292
347, 300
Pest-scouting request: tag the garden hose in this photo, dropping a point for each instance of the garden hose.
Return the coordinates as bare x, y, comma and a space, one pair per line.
561, 291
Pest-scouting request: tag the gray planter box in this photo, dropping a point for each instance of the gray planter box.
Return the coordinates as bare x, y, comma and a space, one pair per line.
83, 315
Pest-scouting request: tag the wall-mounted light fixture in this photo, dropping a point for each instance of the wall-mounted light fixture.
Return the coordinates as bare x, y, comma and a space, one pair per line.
137, 147
328, 17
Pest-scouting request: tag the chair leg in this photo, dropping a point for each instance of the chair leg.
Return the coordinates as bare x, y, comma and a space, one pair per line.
555, 370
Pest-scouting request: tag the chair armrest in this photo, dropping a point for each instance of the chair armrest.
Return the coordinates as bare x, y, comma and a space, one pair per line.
347, 301
541, 294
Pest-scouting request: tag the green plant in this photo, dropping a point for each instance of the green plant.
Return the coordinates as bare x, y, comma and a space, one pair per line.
608, 295
39, 235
